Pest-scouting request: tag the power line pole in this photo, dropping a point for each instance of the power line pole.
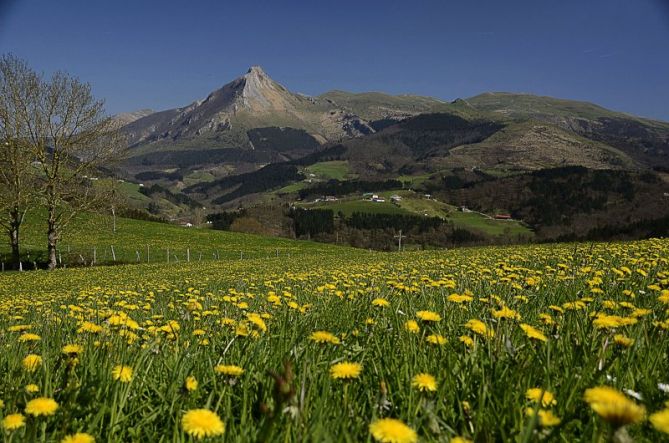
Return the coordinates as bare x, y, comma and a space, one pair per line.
399, 240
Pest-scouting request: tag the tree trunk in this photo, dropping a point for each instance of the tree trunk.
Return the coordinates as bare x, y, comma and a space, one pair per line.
14, 225
52, 239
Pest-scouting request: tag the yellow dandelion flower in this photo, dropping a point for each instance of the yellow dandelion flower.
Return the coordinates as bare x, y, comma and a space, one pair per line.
122, 373
345, 370
191, 383
478, 327
31, 362
621, 340
41, 406
424, 382
467, 340
79, 437
412, 326
13, 422
533, 332
380, 302
229, 370
460, 440
27, 336
535, 395
506, 312
72, 349
200, 423
613, 406
546, 418
390, 430
436, 339
89, 327
324, 337
31, 388
660, 420
428, 316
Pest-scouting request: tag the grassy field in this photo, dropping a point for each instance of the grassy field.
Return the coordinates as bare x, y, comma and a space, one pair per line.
336, 169
479, 344
348, 207
91, 235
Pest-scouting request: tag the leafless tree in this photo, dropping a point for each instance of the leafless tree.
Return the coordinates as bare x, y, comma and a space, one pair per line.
19, 92
68, 139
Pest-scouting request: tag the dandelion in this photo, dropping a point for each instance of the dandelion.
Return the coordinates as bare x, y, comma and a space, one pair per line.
478, 327
537, 394
72, 349
428, 316
613, 406
200, 423
31, 388
412, 326
79, 437
191, 383
380, 302
436, 339
31, 362
345, 370
533, 332
460, 440
424, 382
466, 340
122, 373
89, 327
27, 336
546, 418
324, 337
660, 420
229, 370
390, 430
506, 312
13, 422
41, 406
623, 341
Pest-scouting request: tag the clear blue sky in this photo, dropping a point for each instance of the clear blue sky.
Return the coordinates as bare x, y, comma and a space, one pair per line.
164, 54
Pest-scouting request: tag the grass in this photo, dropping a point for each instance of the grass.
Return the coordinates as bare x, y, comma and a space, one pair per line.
474, 221
348, 207
335, 169
151, 240
170, 322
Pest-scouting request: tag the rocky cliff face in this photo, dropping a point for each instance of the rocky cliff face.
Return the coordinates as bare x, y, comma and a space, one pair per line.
251, 101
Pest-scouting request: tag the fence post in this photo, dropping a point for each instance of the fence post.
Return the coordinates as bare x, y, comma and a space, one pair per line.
148, 254
188, 255
95, 255
168, 255
113, 253
137, 252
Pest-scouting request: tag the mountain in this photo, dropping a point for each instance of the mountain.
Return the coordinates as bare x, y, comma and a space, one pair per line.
125, 118
644, 140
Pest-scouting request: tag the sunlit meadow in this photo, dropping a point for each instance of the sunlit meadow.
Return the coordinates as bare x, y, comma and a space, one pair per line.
485, 344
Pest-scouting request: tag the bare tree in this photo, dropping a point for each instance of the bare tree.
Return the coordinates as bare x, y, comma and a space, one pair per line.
19, 91
71, 139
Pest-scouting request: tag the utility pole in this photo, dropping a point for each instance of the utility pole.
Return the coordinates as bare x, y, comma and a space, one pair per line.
399, 240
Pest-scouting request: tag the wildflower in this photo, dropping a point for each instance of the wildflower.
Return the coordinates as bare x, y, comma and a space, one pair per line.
380, 302
31, 388
436, 339
27, 336
345, 370
324, 337
546, 418
89, 327
467, 340
412, 326
660, 420
478, 327
229, 370
535, 395
533, 332
459, 439
79, 437
613, 406
13, 422
428, 316
459, 298
191, 383
31, 362
506, 312
424, 382
122, 373
72, 349
201, 423
621, 340
390, 430
41, 406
